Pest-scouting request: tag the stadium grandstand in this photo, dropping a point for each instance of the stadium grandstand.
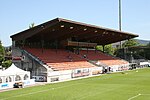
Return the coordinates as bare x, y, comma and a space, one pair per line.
62, 49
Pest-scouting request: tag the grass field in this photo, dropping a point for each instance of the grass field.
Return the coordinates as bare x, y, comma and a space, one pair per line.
131, 85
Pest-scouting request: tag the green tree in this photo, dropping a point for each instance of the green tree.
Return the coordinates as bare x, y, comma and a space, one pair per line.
148, 45
1, 59
31, 25
147, 51
99, 47
129, 43
7, 63
2, 52
108, 49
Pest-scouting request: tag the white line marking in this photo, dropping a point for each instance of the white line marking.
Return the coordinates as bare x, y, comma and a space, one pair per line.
134, 97
137, 96
145, 94
40, 91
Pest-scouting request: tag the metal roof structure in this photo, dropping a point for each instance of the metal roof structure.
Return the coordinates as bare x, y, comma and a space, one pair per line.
62, 29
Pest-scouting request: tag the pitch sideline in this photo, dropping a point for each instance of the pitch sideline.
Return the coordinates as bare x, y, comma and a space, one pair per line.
137, 96
39, 91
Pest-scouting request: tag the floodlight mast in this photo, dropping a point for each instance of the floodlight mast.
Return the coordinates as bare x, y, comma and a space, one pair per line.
120, 20
120, 27
120, 15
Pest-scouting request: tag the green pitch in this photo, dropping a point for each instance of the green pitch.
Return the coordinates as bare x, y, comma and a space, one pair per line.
130, 85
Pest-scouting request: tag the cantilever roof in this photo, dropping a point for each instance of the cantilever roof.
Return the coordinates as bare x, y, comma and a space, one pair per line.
61, 29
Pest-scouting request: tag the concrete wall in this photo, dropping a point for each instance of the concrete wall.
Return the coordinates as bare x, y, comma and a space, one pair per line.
11, 84
70, 74
115, 68
28, 63
60, 75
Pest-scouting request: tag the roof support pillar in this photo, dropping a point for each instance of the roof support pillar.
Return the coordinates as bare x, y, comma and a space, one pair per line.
42, 44
125, 53
56, 45
78, 48
87, 48
95, 49
103, 48
23, 43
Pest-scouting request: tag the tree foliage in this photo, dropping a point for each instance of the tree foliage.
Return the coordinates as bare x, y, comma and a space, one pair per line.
6, 63
2, 52
99, 47
31, 25
107, 49
129, 43
148, 45
1, 59
147, 51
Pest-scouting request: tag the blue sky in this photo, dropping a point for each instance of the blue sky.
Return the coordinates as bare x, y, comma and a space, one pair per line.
17, 15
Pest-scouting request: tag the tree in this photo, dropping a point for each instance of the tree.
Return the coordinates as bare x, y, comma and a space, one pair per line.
146, 51
2, 52
99, 47
108, 49
1, 59
31, 25
7, 63
129, 43
148, 45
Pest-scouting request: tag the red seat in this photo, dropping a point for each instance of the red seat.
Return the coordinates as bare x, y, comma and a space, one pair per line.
60, 60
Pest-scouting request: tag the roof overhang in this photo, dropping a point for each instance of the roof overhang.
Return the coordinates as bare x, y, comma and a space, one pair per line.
61, 29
